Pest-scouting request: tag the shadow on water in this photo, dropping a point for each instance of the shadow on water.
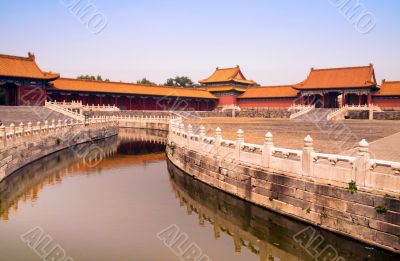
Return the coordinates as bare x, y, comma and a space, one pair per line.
264, 233
131, 146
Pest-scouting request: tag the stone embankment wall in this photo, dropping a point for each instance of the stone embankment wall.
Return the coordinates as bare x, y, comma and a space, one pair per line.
22, 145
354, 196
139, 122
385, 115
253, 113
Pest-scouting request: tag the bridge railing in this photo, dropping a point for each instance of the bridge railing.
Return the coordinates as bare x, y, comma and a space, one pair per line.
331, 169
14, 135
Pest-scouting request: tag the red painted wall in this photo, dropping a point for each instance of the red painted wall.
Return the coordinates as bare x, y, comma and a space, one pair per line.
250, 103
139, 102
226, 100
386, 102
31, 96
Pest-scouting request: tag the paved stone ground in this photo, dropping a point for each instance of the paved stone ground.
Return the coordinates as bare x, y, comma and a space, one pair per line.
329, 137
25, 114
387, 148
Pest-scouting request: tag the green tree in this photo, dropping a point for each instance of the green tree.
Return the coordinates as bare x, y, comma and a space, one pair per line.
180, 81
145, 81
91, 77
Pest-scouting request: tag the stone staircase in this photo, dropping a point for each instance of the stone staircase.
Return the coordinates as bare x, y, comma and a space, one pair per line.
25, 114
316, 115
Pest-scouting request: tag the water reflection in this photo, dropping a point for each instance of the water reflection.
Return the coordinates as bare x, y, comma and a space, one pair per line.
128, 201
264, 233
26, 184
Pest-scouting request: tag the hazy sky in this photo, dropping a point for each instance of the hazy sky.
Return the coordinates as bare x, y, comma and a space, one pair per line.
274, 42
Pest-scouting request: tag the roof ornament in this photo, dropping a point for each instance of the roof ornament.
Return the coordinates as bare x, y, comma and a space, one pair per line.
312, 69
217, 68
237, 66
31, 56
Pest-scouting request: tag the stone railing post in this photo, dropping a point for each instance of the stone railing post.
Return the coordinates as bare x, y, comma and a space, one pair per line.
202, 134
39, 127
22, 128
3, 137
53, 125
30, 130
12, 128
307, 158
267, 149
239, 142
189, 135
217, 140
46, 126
361, 163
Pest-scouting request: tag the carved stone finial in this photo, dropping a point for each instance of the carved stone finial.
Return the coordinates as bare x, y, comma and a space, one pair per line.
268, 137
363, 146
308, 142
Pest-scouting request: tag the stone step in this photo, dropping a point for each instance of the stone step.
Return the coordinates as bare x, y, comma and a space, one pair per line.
316, 115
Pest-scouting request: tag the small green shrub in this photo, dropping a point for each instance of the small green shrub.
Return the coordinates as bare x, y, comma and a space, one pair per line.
387, 196
58, 141
171, 148
381, 209
308, 210
352, 187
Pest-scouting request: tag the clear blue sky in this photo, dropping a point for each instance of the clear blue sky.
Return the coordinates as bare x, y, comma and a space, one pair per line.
275, 42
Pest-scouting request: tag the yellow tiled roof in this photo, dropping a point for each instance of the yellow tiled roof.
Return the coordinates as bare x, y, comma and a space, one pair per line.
24, 67
66, 84
225, 75
347, 77
388, 88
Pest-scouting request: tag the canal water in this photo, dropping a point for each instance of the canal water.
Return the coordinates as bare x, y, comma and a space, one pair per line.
120, 199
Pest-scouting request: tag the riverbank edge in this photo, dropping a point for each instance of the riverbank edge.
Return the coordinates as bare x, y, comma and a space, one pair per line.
251, 185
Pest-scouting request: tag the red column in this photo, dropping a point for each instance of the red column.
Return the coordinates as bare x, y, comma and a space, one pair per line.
343, 99
323, 100
369, 99
359, 100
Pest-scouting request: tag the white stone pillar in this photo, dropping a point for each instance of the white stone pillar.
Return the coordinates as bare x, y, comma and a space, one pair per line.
267, 149
217, 140
39, 127
46, 126
189, 135
239, 142
182, 132
3, 142
361, 163
202, 134
12, 128
307, 159
53, 125
30, 130
22, 128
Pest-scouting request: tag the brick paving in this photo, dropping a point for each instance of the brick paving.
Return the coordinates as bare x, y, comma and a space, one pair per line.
329, 137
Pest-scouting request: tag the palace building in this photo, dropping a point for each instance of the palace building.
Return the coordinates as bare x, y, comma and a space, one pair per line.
23, 83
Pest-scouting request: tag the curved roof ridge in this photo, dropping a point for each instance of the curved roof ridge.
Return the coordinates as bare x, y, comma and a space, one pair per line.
342, 68
130, 83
